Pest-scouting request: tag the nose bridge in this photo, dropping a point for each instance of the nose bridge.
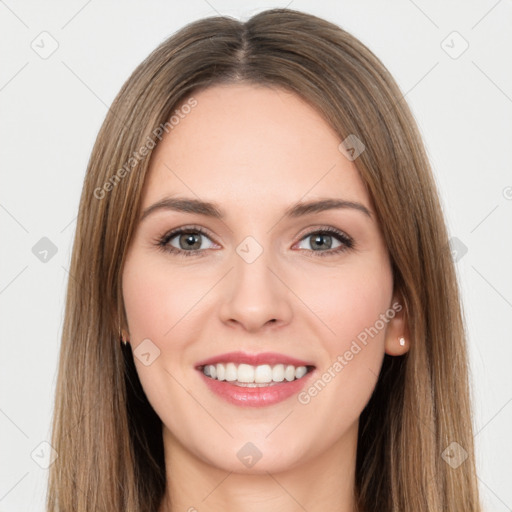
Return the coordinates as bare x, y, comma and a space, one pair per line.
253, 262
256, 295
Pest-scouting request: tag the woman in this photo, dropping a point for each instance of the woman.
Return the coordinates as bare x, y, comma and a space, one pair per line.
260, 227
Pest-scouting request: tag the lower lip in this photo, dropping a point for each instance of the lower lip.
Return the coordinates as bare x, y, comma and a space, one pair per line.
258, 396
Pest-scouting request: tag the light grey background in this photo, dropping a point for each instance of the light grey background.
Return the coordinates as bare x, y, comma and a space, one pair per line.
52, 109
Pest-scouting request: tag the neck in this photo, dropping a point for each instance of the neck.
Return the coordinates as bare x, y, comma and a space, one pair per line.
324, 482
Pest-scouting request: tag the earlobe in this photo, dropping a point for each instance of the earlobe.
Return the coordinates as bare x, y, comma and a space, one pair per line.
123, 336
397, 341
397, 346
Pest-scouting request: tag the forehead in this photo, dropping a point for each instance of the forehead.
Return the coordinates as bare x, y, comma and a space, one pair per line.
247, 144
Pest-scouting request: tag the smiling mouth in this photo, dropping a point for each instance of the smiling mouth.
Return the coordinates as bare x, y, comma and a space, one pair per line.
246, 375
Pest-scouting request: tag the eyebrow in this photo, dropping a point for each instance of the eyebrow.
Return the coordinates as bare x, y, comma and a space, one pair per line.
209, 209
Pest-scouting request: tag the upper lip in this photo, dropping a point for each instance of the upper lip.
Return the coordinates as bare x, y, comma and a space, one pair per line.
270, 358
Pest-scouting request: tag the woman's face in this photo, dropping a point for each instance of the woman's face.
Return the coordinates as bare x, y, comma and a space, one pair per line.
255, 279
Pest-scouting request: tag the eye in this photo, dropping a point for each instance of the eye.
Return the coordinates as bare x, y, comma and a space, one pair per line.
323, 239
185, 241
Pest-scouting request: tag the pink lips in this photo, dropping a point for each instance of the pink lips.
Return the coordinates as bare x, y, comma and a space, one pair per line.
255, 396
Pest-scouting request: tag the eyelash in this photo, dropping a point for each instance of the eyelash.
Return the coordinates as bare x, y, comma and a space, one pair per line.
162, 242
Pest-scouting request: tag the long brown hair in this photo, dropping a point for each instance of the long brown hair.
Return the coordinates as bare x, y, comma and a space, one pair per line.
108, 438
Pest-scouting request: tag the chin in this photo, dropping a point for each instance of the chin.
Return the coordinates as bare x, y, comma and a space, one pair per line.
256, 456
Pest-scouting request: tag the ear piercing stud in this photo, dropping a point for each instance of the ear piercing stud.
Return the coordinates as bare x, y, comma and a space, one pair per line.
401, 340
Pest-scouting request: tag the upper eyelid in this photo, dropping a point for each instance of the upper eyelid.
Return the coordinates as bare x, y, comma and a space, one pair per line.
173, 232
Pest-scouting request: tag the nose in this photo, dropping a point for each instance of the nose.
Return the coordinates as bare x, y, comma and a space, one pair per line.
255, 295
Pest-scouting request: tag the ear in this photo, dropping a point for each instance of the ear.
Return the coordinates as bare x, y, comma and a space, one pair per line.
397, 329
124, 332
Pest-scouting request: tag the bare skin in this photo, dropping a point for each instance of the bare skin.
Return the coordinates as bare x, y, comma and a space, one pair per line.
256, 152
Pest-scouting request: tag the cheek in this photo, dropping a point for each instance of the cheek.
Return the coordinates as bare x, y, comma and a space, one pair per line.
159, 306
350, 301
156, 300
353, 346
354, 313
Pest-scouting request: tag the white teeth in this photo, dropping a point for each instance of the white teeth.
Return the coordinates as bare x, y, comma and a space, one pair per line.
231, 372
247, 374
278, 373
262, 374
289, 373
300, 372
221, 372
